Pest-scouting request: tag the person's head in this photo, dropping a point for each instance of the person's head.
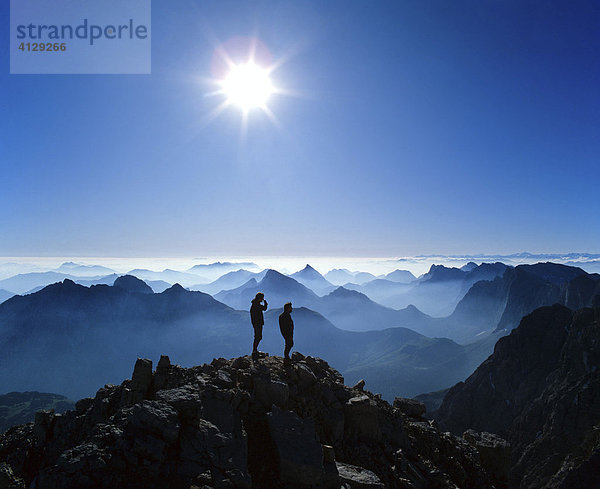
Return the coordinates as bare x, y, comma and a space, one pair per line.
287, 307
259, 297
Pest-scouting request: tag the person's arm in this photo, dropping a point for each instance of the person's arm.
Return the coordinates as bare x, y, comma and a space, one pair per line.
264, 307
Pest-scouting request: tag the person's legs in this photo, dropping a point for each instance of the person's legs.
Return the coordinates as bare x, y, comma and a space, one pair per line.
257, 338
289, 343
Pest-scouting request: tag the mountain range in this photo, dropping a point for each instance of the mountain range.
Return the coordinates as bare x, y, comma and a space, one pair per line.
66, 321
25, 282
347, 309
69, 338
540, 390
20, 407
436, 293
230, 280
312, 279
213, 271
341, 276
84, 270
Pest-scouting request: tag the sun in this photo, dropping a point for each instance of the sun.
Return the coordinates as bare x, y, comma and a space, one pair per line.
243, 78
247, 86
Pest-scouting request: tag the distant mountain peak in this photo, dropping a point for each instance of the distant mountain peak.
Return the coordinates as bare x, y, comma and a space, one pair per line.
132, 284
308, 273
344, 292
175, 289
469, 266
272, 275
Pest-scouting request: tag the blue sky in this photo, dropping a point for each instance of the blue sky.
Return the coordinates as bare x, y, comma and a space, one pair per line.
417, 127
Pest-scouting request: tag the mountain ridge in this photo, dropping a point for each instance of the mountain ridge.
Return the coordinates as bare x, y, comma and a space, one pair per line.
539, 390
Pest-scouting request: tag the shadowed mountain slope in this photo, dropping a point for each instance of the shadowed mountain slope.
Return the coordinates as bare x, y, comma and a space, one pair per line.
541, 391
5, 294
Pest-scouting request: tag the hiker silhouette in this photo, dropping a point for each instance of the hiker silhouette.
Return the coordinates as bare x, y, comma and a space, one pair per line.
286, 326
256, 316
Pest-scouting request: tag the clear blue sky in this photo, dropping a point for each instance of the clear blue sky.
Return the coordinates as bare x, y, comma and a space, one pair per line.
422, 127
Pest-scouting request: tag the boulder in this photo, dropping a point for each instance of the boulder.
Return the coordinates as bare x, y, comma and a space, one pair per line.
361, 419
353, 477
156, 418
410, 407
299, 452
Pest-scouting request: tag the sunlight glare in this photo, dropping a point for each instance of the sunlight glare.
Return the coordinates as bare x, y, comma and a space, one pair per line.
247, 86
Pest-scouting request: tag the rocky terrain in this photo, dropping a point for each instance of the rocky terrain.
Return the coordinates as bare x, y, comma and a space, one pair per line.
243, 424
540, 390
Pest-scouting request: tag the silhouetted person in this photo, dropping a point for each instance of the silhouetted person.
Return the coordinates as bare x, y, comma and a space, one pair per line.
256, 316
286, 326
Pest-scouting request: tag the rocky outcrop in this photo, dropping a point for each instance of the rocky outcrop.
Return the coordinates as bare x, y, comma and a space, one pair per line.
411, 407
540, 390
238, 424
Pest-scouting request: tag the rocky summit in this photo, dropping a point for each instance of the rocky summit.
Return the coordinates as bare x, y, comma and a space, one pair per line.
244, 424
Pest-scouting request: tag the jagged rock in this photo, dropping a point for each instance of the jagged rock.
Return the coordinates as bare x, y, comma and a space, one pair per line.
236, 424
360, 385
410, 407
43, 425
354, 477
8, 479
141, 379
494, 453
83, 405
162, 371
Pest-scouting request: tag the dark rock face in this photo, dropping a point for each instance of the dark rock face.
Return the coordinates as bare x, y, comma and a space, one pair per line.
541, 391
237, 424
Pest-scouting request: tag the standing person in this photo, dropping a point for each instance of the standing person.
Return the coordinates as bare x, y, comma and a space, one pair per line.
256, 316
286, 326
